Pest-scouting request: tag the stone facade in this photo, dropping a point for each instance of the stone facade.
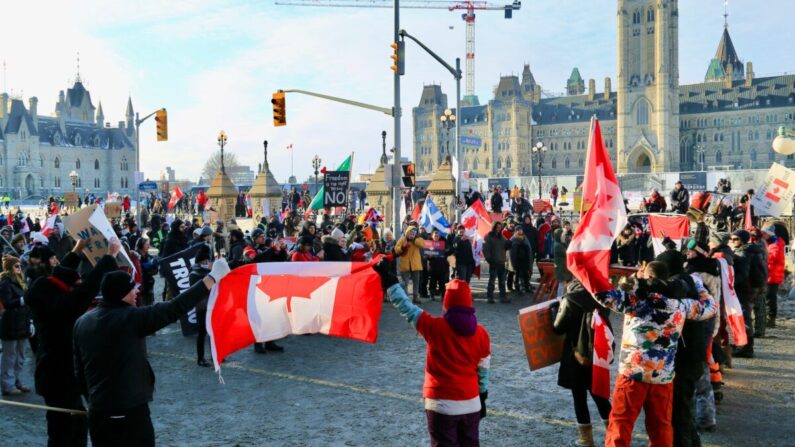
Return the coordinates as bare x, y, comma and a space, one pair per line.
38, 152
650, 121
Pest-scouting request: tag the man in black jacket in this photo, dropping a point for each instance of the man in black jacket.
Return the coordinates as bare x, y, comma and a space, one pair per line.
110, 361
750, 277
496, 200
57, 302
680, 199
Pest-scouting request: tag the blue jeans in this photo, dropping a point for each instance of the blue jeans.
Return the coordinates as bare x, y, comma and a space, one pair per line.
464, 272
496, 272
11, 361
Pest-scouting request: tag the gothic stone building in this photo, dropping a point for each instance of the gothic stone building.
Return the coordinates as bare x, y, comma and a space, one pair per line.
37, 153
650, 123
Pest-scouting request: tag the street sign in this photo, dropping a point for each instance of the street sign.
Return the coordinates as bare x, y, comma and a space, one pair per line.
335, 188
694, 181
470, 141
147, 186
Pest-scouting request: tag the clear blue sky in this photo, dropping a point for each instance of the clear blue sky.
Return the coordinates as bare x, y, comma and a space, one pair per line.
215, 63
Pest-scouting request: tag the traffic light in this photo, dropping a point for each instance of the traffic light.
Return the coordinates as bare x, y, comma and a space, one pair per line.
398, 57
409, 179
279, 109
161, 117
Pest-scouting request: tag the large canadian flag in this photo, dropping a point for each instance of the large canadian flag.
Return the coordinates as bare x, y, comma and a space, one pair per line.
602, 356
175, 196
588, 255
674, 227
268, 301
476, 220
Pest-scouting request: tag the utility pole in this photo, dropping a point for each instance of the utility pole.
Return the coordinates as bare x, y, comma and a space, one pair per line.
396, 199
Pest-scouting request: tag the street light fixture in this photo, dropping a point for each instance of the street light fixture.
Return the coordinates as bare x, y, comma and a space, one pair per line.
448, 121
316, 162
700, 151
538, 152
73, 177
222, 142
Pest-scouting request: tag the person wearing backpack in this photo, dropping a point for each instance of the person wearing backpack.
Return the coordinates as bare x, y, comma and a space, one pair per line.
573, 320
750, 277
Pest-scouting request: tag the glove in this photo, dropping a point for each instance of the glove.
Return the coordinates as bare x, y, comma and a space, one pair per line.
219, 270
386, 271
483, 396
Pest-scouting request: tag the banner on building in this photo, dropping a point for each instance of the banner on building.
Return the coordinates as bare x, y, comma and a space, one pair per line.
335, 188
541, 344
176, 270
775, 194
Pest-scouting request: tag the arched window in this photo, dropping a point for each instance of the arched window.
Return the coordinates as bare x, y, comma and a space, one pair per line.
508, 163
57, 163
554, 163
96, 165
41, 161
96, 183
474, 163
718, 157
753, 154
487, 163
77, 164
650, 15
499, 163
580, 163
566, 163
750, 135
643, 113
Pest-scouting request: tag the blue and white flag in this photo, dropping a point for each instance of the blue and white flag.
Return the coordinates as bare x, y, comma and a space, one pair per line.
431, 218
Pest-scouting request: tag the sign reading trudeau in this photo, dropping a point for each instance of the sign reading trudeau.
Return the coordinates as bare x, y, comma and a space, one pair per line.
335, 186
775, 194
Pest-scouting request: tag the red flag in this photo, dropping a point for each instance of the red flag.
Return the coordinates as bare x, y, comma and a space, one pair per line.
415, 214
674, 227
602, 356
476, 220
748, 222
588, 255
268, 301
175, 196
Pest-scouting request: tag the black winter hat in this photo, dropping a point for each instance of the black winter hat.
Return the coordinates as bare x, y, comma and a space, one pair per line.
307, 240
116, 285
66, 275
204, 253
743, 235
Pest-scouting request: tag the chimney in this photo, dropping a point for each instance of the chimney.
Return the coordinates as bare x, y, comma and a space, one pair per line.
728, 81
608, 87
3, 104
536, 93
749, 74
33, 108
591, 89
121, 125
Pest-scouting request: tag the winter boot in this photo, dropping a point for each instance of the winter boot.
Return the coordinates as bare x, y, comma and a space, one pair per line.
771, 322
585, 438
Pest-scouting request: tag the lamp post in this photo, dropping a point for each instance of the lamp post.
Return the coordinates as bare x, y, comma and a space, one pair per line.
316, 161
538, 151
73, 177
384, 158
222, 142
700, 151
448, 121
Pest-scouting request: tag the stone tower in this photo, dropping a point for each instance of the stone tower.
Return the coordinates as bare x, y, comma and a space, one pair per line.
648, 83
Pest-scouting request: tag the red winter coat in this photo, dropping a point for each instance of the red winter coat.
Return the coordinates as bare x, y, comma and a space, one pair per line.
775, 262
300, 256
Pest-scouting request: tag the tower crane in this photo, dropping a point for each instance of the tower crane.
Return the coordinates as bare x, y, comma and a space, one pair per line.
468, 6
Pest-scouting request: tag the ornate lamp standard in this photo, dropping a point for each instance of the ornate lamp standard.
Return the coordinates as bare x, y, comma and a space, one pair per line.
73, 177
222, 142
538, 152
448, 121
700, 151
316, 162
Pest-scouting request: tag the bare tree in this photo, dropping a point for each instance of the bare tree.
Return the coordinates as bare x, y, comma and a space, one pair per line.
213, 164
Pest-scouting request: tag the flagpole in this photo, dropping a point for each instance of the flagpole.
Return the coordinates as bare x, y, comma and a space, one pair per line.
350, 179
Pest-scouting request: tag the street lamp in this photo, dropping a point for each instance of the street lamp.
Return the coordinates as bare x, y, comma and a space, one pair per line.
316, 161
222, 142
538, 151
384, 158
700, 151
448, 121
73, 177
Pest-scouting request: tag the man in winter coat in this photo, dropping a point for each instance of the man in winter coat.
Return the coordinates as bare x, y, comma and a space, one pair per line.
461, 246
438, 267
332, 250
110, 361
201, 268
176, 240
521, 253
60, 243
496, 200
409, 249
520, 206
680, 199
457, 361
149, 267
775, 268
494, 253
655, 203
750, 278
57, 302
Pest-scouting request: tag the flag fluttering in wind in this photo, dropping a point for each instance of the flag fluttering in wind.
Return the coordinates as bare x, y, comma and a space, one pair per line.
476, 220
268, 301
317, 201
588, 255
431, 218
602, 356
176, 195
675, 228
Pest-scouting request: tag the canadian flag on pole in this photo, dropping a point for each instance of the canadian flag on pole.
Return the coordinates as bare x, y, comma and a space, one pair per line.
588, 255
268, 301
602, 356
476, 220
674, 227
49, 224
175, 196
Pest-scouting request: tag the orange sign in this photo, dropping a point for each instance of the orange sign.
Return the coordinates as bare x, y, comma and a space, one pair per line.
541, 344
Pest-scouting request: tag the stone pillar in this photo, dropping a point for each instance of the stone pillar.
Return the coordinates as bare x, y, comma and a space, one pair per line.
442, 189
222, 196
265, 187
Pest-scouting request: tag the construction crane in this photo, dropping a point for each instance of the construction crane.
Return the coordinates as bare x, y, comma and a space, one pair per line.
468, 6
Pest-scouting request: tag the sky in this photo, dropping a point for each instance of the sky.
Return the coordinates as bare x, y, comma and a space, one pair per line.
215, 63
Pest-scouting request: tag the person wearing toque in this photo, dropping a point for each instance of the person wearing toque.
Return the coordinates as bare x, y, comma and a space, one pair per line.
57, 301
110, 359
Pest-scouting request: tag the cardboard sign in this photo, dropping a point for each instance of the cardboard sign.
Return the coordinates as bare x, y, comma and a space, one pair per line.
112, 210
434, 248
71, 199
90, 224
774, 195
541, 344
335, 188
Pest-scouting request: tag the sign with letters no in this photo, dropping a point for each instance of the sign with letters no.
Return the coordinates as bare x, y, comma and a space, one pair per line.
335, 188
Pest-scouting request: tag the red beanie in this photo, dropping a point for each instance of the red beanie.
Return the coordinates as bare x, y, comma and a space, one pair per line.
457, 294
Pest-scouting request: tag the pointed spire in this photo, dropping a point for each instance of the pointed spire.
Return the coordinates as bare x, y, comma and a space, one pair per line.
77, 76
100, 115
129, 113
725, 13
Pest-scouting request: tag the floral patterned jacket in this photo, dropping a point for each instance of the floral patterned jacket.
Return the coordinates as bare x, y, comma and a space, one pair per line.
652, 327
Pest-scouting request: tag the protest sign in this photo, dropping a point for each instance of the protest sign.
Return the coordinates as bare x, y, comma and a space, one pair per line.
112, 210
71, 200
774, 195
541, 344
434, 248
91, 225
176, 270
335, 188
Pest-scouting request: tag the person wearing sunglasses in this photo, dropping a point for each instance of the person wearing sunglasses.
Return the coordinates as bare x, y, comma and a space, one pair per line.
14, 327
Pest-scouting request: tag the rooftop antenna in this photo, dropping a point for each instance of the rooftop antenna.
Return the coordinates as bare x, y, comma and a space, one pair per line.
77, 78
725, 13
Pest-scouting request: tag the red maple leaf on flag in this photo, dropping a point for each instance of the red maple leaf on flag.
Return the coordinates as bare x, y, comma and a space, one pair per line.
282, 286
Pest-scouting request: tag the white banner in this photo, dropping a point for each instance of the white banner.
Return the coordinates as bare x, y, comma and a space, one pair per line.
774, 196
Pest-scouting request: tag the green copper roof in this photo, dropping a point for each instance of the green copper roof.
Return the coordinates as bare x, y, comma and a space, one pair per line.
715, 71
575, 76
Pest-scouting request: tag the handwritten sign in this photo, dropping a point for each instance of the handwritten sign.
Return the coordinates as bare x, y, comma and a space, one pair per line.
90, 224
541, 344
335, 188
71, 199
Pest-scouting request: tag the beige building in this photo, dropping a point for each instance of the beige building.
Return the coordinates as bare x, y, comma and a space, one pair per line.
38, 152
649, 122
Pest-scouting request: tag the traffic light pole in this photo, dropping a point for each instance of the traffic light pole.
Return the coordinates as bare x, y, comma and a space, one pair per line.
363, 105
138, 122
396, 198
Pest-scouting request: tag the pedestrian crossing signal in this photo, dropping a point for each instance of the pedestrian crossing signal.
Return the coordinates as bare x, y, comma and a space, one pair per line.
279, 109
161, 117
409, 179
